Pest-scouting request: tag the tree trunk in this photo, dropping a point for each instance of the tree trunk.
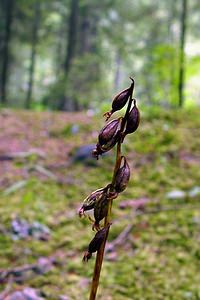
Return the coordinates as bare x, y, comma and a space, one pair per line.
36, 22
72, 34
88, 46
5, 51
59, 47
65, 103
182, 53
84, 30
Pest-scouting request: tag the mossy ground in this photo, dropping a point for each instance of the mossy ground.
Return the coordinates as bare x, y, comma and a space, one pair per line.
161, 257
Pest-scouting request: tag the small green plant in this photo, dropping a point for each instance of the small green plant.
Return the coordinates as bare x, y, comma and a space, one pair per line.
112, 134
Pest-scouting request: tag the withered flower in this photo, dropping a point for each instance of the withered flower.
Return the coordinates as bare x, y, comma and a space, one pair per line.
100, 209
89, 202
95, 243
122, 177
120, 100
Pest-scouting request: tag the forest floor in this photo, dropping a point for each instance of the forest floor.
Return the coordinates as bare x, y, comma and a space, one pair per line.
153, 251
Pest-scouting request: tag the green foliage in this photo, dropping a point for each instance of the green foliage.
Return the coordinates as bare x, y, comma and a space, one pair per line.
114, 40
193, 66
165, 73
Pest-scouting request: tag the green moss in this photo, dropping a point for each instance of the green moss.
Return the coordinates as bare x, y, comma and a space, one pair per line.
160, 258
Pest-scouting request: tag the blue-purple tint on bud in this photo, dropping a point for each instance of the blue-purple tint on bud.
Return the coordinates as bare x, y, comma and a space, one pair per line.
109, 131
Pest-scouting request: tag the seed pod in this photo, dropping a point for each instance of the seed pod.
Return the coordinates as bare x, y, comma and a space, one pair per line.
100, 149
120, 100
96, 243
89, 202
133, 120
122, 177
100, 210
110, 144
108, 131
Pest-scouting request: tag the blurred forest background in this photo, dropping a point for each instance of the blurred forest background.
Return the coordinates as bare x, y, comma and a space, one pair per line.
61, 62
71, 54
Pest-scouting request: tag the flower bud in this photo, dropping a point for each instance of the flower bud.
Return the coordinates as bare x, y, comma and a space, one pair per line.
122, 177
133, 120
89, 202
120, 100
100, 149
111, 143
108, 131
100, 209
96, 243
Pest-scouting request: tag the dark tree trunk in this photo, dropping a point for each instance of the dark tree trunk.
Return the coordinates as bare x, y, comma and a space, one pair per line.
8, 4
65, 103
72, 35
59, 48
182, 53
84, 30
34, 42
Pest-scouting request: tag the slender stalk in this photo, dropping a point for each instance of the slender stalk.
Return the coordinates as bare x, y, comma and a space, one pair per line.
100, 252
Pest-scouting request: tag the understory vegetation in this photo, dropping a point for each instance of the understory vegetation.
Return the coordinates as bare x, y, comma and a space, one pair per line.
153, 251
